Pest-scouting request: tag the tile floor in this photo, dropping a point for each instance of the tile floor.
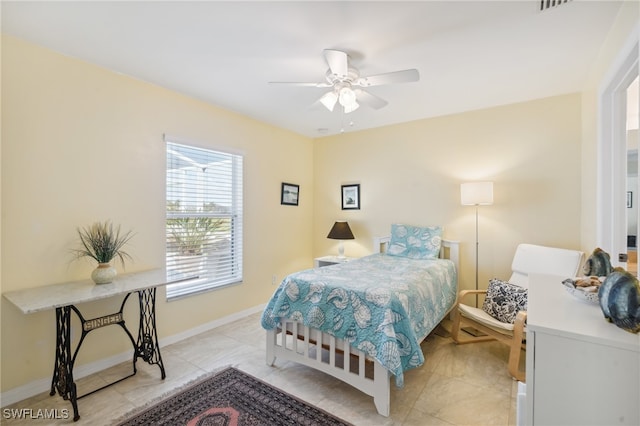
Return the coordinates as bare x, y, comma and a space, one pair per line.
458, 385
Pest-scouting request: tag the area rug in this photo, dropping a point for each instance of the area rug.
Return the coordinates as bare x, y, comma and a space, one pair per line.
229, 398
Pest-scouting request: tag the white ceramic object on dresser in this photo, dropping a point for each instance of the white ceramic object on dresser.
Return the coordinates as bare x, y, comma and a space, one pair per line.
581, 369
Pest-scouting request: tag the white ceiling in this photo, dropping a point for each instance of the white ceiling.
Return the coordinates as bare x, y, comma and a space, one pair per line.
470, 54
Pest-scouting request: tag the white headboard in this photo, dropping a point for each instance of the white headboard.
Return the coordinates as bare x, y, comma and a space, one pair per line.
450, 249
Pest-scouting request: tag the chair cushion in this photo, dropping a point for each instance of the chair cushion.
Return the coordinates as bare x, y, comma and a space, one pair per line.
480, 316
504, 300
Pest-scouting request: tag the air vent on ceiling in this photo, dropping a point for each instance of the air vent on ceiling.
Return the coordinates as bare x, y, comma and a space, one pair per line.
548, 4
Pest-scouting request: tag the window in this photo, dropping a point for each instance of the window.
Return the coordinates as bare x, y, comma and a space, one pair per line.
203, 219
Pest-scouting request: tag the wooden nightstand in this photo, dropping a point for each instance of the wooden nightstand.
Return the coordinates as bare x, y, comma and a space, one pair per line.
330, 260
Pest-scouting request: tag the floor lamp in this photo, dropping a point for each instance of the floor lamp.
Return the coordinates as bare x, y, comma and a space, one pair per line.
476, 194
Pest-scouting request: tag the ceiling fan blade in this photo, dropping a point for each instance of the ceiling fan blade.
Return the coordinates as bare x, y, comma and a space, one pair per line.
338, 62
405, 76
293, 83
368, 99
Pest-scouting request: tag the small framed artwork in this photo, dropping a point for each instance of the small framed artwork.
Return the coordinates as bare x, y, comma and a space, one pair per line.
290, 194
351, 197
629, 199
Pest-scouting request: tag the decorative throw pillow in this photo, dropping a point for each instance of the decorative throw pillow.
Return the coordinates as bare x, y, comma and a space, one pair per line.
504, 300
415, 242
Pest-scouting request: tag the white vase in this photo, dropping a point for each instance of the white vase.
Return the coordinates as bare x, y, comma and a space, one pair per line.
104, 273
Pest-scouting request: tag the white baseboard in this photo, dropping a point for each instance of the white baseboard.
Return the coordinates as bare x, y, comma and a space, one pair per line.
38, 386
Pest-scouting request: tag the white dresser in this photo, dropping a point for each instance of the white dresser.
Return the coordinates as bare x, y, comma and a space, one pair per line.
581, 369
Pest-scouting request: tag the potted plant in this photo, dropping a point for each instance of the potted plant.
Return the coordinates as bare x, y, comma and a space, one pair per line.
103, 242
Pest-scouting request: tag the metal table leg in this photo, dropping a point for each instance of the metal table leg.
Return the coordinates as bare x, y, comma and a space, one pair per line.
146, 347
63, 367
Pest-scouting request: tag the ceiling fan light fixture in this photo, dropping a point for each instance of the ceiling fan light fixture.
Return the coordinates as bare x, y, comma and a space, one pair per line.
348, 99
351, 107
329, 100
347, 96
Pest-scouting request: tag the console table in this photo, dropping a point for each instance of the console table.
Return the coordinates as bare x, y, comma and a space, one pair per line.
581, 369
64, 298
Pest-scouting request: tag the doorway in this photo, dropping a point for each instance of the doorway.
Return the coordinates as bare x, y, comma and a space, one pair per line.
633, 112
617, 223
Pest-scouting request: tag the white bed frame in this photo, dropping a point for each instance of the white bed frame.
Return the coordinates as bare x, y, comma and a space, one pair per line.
299, 343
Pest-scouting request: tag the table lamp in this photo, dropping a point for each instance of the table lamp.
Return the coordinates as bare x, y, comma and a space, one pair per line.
341, 231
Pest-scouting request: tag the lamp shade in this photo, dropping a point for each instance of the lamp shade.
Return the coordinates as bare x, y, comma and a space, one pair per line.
351, 107
346, 96
476, 193
329, 100
341, 231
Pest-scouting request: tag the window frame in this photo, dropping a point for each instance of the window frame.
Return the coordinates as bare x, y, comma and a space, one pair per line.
231, 211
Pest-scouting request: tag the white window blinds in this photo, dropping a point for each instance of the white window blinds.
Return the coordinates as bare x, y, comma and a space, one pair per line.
203, 219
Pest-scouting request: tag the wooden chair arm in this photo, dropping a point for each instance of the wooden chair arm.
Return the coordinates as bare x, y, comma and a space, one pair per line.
518, 326
516, 346
464, 293
521, 319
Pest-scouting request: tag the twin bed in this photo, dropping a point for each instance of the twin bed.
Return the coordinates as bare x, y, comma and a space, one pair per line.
362, 321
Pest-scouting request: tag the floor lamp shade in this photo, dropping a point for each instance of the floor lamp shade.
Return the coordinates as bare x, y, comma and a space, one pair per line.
476, 193
341, 231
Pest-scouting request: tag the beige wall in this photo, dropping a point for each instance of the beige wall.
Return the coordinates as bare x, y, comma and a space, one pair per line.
82, 144
412, 172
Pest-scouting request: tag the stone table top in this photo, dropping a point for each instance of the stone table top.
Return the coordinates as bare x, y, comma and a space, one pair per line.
53, 296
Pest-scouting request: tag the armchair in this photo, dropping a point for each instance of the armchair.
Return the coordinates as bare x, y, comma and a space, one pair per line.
528, 259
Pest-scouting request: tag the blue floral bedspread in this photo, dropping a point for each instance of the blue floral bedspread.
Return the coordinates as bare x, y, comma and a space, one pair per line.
383, 305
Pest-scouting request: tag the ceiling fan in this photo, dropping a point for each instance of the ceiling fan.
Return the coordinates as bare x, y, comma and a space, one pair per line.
346, 83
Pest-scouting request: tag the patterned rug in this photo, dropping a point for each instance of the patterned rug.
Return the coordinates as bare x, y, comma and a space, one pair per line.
231, 398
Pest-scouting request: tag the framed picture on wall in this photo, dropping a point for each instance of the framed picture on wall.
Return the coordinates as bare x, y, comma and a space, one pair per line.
289, 194
351, 197
629, 199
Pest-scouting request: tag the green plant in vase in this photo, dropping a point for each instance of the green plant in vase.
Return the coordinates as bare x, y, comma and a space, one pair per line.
103, 242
